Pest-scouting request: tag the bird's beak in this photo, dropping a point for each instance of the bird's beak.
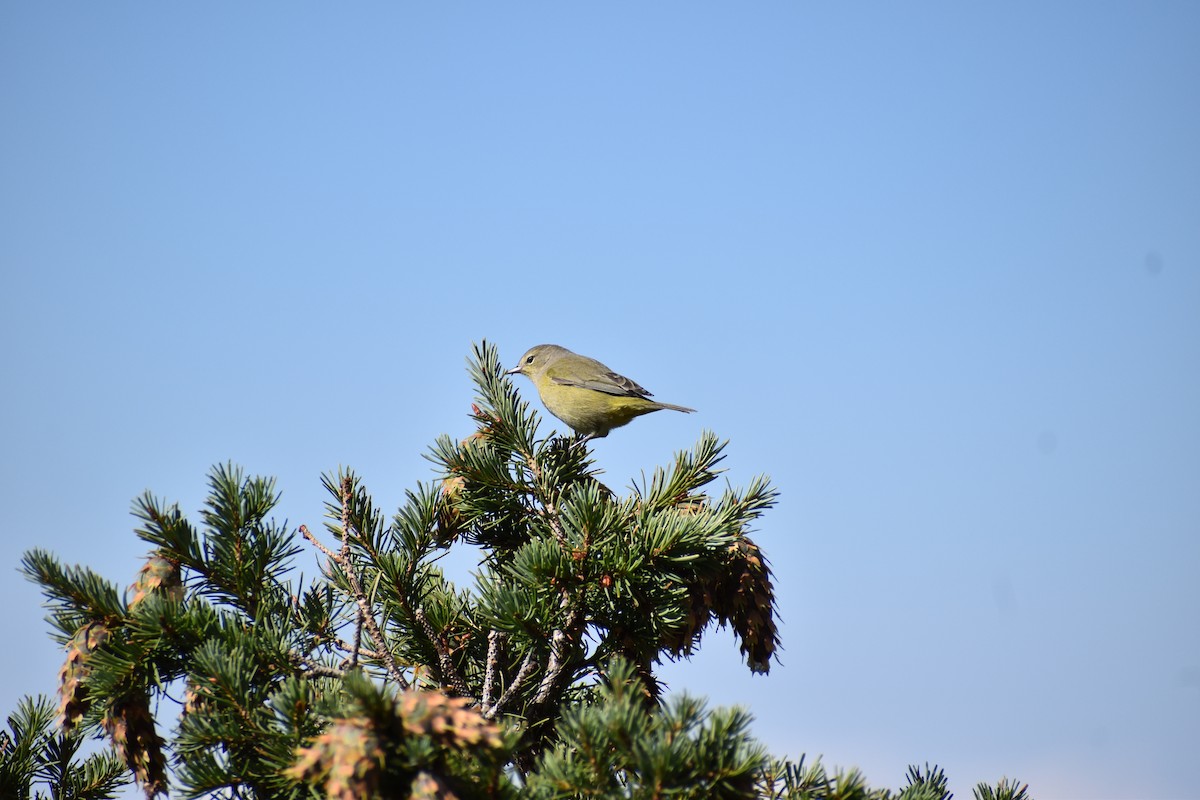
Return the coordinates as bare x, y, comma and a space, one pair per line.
513, 371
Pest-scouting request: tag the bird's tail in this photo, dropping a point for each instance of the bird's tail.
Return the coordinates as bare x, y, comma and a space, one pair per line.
671, 407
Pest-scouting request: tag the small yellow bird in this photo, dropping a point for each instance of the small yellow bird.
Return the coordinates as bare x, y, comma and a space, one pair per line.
584, 393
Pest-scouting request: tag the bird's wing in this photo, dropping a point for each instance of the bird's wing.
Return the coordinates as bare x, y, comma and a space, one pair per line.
608, 382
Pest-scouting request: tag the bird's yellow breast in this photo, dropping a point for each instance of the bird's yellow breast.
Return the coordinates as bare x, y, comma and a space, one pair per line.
590, 412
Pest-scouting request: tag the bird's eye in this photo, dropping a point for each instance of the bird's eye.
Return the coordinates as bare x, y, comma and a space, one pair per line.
529, 360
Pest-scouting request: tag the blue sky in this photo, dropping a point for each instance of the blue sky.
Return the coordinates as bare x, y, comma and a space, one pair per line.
934, 267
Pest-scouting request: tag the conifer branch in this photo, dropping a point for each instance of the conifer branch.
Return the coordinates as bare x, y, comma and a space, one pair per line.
549, 511
571, 575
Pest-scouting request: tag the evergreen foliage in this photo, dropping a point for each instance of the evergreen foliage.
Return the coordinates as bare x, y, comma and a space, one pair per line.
33, 754
219, 675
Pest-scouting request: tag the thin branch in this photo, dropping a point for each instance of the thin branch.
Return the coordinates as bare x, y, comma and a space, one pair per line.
307, 534
550, 514
312, 669
365, 652
554, 668
358, 629
364, 607
495, 640
549, 511
560, 650
527, 667
449, 669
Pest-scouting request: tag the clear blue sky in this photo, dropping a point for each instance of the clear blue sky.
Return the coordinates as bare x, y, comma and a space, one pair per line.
934, 267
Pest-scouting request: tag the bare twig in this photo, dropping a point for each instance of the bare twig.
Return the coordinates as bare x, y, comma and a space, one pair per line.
358, 629
495, 641
313, 669
307, 534
550, 514
449, 669
560, 642
342, 559
322, 671
364, 652
527, 667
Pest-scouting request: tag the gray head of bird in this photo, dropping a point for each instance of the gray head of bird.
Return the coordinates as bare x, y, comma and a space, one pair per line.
536, 359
